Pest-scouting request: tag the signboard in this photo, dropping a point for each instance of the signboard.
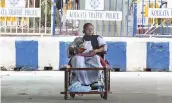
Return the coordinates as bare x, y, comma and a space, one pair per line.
140, 15
20, 12
94, 4
160, 13
11, 10
94, 15
10, 20
143, 10
15, 3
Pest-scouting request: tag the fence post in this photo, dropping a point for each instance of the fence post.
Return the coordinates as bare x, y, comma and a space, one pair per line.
134, 19
53, 17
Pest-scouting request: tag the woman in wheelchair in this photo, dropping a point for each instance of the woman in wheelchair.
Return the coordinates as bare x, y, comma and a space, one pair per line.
87, 52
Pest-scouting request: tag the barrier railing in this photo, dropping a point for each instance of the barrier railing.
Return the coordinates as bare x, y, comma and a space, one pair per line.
21, 17
48, 17
52, 13
149, 25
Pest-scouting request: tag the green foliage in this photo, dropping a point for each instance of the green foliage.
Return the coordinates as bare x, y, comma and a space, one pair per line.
46, 12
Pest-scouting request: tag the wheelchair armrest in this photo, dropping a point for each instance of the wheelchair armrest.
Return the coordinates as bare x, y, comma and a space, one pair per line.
86, 69
102, 54
71, 69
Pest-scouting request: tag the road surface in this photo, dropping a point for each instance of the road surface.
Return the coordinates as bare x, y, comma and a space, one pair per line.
127, 87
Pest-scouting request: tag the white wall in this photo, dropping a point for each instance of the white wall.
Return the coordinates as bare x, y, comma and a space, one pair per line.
49, 52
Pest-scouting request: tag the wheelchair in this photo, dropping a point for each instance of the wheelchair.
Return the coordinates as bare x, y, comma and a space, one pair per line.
67, 82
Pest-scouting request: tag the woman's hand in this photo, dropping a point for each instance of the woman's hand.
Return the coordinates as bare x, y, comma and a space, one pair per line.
95, 51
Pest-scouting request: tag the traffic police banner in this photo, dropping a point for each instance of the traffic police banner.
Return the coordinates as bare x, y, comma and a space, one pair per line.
12, 10
94, 15
20, 12
160, 13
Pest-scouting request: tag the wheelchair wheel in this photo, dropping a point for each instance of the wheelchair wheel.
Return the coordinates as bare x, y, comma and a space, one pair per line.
72, 95
105, 96
101, 95
65, 97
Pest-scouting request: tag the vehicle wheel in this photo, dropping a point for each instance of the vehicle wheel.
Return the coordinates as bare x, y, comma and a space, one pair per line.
72, 95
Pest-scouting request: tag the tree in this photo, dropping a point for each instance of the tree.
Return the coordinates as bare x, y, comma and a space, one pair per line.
46, 13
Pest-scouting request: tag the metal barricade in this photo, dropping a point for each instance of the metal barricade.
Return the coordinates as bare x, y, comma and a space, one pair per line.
52, 20
147, 26
63, 26
106, 28
24, 24
46, 24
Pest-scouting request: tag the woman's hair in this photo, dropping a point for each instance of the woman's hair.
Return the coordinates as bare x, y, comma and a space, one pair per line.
85, 26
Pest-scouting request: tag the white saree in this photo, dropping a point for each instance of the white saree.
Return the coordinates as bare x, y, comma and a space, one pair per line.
86, 77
